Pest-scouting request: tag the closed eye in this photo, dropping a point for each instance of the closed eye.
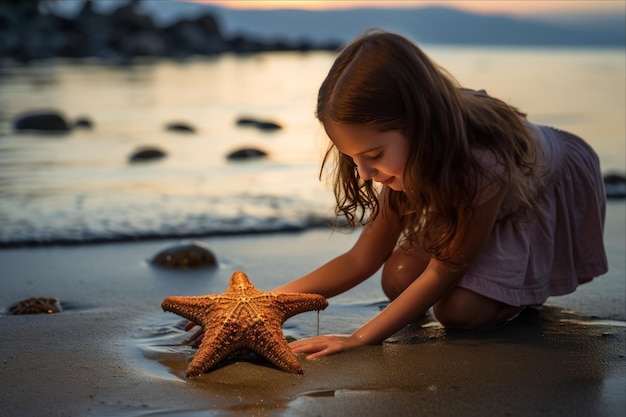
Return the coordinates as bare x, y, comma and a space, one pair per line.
374, 156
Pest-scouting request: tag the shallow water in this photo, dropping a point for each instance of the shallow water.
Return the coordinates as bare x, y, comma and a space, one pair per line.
539, 332
80, 187
161, 346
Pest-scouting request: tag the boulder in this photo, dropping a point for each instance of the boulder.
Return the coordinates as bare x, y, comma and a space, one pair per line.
615, 185
36, 305
187, 38
246, 153
194, 255
42, 122
146, 154
266, 125
83, 123
30, 31
180, 127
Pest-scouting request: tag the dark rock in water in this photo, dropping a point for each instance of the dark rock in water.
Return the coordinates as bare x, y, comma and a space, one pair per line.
36, 305
245, 121
615, 185
43, 122
180, 127
246, 153
615, 178
268, 126
194, 255
146, 154
83, 122
265, 125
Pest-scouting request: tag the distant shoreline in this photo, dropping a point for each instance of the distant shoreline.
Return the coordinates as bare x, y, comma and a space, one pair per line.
148, 29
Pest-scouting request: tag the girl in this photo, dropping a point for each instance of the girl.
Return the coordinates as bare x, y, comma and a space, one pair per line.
471, 208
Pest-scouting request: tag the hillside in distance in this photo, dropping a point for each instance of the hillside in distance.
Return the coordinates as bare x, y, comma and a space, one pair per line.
433, 25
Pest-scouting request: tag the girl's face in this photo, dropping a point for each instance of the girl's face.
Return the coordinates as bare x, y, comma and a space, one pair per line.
379, 156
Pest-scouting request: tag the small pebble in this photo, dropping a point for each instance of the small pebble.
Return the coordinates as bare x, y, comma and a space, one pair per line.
36, 305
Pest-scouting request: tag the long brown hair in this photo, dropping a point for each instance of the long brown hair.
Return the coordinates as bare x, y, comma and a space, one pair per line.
385, 81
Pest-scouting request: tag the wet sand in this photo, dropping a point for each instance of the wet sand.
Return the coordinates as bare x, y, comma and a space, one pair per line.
566, 358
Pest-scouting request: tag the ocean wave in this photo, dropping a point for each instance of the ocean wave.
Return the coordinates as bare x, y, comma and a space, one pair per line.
158, 218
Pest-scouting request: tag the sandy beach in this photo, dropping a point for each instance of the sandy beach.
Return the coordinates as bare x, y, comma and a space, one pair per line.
113, 352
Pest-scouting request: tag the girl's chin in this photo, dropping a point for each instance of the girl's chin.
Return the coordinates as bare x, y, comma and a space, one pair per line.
396, 186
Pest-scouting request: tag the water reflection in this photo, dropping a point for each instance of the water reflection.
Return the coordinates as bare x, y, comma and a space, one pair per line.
41, 177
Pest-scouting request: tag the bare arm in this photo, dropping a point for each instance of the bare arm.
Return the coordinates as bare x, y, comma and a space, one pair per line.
377, 241
436, 280
375, 244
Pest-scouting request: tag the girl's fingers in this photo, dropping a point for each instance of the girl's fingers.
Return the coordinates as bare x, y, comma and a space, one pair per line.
308, 348
319, 346
196, 335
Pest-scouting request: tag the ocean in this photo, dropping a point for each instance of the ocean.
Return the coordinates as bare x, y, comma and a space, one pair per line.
82, 188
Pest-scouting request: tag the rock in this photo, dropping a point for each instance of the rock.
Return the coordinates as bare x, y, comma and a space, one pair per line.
83, 122
246, 153
30, 30
135, 33
194, 255
42, 122
268, 126
36, 305
180, 127
147, 154
265, 125
246, 121
614, 178
615, 185
187, 38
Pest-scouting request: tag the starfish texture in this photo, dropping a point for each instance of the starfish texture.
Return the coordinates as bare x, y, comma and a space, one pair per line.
243, 317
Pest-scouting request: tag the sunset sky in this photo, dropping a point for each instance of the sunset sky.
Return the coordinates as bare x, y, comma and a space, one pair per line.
518, 7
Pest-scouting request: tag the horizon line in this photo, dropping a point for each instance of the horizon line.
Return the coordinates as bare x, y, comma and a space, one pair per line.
520, 8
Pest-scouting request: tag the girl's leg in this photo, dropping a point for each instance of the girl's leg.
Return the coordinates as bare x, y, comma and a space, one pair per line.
401, 269
464, 309
460, 308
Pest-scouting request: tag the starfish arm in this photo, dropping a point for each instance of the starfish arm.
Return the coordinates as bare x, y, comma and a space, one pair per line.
290, 304
269, 342
220, 340
205, 359
192, 308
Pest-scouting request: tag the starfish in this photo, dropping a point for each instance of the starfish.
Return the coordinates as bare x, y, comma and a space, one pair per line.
243, 317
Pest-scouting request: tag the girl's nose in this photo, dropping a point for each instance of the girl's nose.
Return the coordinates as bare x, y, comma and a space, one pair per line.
365, 171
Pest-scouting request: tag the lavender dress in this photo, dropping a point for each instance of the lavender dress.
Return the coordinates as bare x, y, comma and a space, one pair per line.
526, 259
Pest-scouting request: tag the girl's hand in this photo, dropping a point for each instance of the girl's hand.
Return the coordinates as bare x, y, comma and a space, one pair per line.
196, 335
324, 345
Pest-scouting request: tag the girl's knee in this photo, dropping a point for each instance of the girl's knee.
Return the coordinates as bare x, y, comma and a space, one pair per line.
465, 309
400, 270
390, 287
452, 317
390, 281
